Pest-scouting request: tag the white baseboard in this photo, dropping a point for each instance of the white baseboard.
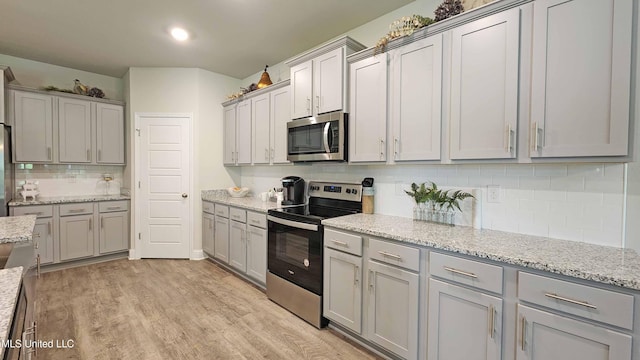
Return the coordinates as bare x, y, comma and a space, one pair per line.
132, 254
197, 255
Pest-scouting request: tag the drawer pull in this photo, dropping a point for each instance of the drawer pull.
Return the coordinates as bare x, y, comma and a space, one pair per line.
254, 221
492, 319
460, 272
571, 301
76, 210
522, 333
113, 208
386, 254
34, 213
36, 235
340, 243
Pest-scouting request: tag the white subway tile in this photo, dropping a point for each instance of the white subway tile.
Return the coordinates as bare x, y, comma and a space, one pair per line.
615, 171
519, 194
533, 206
535, 183
550, 170
508, 182
550, 195
586, 170
468, 170
519, 170
571, 183
493, 170
599, 237
583, 197
565, 232
604, 185
480, 181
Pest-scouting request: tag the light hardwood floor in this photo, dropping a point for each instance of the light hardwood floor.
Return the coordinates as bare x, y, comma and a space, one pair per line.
173, 309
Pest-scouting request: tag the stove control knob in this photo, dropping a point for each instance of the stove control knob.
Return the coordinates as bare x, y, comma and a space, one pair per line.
348, 191
354, 191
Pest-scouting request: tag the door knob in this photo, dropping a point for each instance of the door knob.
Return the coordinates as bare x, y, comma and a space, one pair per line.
184, 195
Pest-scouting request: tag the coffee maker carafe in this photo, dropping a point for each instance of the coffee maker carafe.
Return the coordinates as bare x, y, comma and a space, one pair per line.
293, 188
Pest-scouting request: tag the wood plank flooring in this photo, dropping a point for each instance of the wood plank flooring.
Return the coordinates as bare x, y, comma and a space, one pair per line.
173, 309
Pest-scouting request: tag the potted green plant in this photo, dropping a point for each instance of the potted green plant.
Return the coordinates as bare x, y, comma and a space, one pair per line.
420, 194
450, 201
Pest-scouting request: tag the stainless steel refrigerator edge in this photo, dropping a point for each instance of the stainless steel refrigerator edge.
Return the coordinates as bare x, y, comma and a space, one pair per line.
7, 179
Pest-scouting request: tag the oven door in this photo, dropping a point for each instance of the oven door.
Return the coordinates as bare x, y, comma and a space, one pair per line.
295, 252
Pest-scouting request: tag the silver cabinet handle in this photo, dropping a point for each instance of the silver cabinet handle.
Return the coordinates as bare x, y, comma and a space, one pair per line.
101, 223
74, 211
460, 272
355, 276
371, 287
272, 154
395, 147
340, 243
510, 133
99, 155
49, 227
90, 224
318, 102
393, 256
523, 324
571, 301
36, 235
48, 153
266, 154
113, 208
88, 155
536, 137
254, 221
308, 105
38, 265
381, 149
492, 327
34, 213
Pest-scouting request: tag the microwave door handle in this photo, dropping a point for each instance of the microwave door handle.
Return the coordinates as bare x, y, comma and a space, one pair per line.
295, 224
326, 137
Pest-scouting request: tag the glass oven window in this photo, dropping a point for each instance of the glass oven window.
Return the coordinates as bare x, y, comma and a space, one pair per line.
293, 249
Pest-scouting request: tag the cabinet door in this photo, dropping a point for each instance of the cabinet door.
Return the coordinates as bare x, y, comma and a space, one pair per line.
74, 131
229, 141
260, 121
328, 80
280, 116
76, 236
114, 231
221, 239
33, 127
109, 134
208, 244
243, 133
342, 301
257, 253
393, 309
545, 336
301, 88
416, 90
43, 236
581, 75
368, 117
484, 87
238, 245
474, 318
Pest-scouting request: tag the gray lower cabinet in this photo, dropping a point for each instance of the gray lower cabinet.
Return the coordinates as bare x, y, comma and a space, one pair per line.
43, 236
76, 236
238, 245
342, 302
393, 309
475, 319
208, 225
257, 252
114, 231
546, 336
222, 239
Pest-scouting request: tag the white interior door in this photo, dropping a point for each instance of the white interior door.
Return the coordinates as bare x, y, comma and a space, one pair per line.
163, 198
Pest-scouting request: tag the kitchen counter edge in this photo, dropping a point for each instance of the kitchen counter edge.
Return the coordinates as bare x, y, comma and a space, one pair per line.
10, 280
52, 200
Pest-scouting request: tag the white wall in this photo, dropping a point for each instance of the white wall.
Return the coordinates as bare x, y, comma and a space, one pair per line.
38, 74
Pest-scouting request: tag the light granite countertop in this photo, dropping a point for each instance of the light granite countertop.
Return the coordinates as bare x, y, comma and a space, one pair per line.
14, 229
49, 200
604, 264
10, 280
247, 202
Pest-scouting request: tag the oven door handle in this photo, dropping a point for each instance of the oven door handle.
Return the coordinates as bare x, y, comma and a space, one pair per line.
295, 224
325, 137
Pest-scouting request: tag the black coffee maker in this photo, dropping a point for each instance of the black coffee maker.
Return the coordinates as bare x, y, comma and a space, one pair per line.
293, 189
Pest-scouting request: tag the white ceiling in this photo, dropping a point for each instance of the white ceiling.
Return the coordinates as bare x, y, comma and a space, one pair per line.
232, 37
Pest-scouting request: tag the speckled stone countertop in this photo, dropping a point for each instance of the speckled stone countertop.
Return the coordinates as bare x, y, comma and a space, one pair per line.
10, 284
49, 200
14, 229
609, 265
248, 202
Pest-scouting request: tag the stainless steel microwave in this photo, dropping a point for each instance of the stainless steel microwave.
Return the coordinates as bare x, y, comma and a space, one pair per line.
318, 138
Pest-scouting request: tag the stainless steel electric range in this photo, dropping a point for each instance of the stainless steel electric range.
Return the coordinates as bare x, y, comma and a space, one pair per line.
295, 242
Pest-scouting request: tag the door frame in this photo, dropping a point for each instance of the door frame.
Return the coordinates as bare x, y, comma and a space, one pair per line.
135, 251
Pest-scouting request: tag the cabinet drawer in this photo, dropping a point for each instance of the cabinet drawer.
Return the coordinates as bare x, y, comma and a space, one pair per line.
110, 206
222, 210
208, 207
348, 243
257, 219
395, 254
238, 214
473, 273
76, 209
40, 210
592, 303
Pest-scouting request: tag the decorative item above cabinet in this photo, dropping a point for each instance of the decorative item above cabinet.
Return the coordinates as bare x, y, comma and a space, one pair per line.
319, 79
65, 129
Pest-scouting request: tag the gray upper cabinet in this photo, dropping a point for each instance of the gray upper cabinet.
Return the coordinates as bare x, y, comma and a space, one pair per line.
229, 130
484, 87
66, 129
581, 73
109, 134
74, 131
243, 132
33, 124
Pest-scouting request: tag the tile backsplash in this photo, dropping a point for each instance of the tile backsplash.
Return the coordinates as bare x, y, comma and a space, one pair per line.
580, 202
64, 180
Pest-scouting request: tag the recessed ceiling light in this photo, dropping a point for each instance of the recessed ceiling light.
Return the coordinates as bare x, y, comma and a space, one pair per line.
179, 34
